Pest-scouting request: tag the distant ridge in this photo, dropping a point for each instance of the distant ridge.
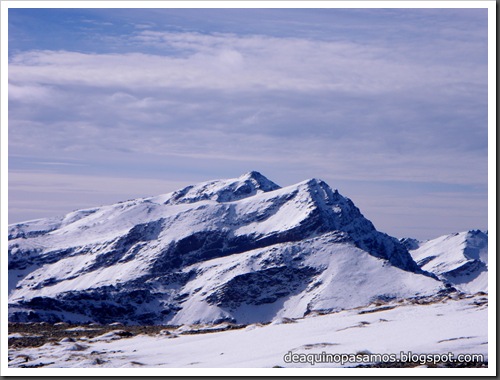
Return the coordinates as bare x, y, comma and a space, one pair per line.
241, 249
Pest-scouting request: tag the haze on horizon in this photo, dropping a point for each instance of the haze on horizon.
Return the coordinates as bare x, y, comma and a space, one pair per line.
389, 106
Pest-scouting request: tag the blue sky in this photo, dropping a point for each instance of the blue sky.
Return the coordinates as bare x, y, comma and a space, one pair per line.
387, 105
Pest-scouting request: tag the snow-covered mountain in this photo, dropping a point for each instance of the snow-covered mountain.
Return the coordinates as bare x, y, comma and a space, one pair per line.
460, 259
241, 250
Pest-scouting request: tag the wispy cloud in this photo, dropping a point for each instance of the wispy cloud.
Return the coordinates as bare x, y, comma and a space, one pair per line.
350, 100
239, 63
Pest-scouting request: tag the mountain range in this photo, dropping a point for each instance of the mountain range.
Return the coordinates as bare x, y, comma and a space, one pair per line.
240, 250
459, 259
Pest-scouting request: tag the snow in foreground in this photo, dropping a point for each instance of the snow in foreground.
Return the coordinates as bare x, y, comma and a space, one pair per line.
456, 325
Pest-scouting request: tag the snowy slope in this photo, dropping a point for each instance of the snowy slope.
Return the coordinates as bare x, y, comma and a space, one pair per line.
236, 249
460, 259
294, 279
449, 325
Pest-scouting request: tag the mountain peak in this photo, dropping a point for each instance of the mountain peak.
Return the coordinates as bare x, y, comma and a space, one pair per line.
224, 190
460, 259
252, 174
260, 181
206, 252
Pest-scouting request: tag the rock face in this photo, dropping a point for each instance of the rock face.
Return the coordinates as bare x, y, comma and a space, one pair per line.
240, 250
459, 259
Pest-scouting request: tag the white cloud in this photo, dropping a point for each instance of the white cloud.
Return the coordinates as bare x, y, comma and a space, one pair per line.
220, 104
27, 93
238, 63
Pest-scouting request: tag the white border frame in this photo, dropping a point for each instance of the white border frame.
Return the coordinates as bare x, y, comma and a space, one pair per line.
490, 371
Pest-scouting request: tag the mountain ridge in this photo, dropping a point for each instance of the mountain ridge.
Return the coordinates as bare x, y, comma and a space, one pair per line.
459, 259
235, 249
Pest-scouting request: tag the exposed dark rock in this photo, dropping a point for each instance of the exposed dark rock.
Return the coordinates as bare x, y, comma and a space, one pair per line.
260, 287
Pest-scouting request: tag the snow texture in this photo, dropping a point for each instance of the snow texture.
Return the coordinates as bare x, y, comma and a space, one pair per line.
456, 325
237, 250
460, 259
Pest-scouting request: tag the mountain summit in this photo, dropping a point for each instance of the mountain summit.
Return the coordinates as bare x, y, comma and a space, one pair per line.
240, 250
459, 259
228, 190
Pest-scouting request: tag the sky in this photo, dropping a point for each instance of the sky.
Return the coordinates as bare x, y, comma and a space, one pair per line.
389, 106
